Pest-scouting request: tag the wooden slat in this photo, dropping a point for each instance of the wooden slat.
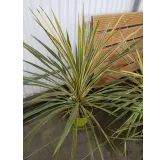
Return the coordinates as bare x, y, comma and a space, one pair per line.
127, 59
114, 76
129, 19
120, 35
118, 50
132, 67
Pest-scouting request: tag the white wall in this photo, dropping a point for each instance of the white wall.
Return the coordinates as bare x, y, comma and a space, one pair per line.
140, 6
67, 13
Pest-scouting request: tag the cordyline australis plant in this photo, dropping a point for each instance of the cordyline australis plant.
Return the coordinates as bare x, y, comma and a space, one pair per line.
128, 101
74, 99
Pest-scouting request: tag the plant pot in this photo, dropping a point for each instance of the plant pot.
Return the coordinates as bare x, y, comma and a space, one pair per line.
81, 122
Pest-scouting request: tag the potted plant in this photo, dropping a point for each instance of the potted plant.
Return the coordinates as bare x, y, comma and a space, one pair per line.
79, 71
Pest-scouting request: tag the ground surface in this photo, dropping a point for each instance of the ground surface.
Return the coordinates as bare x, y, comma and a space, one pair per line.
43, 143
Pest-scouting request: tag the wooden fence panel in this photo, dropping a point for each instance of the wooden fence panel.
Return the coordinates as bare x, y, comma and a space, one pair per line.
129, 28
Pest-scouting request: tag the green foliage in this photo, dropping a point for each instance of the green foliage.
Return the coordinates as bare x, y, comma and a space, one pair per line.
74, 99
129, 104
